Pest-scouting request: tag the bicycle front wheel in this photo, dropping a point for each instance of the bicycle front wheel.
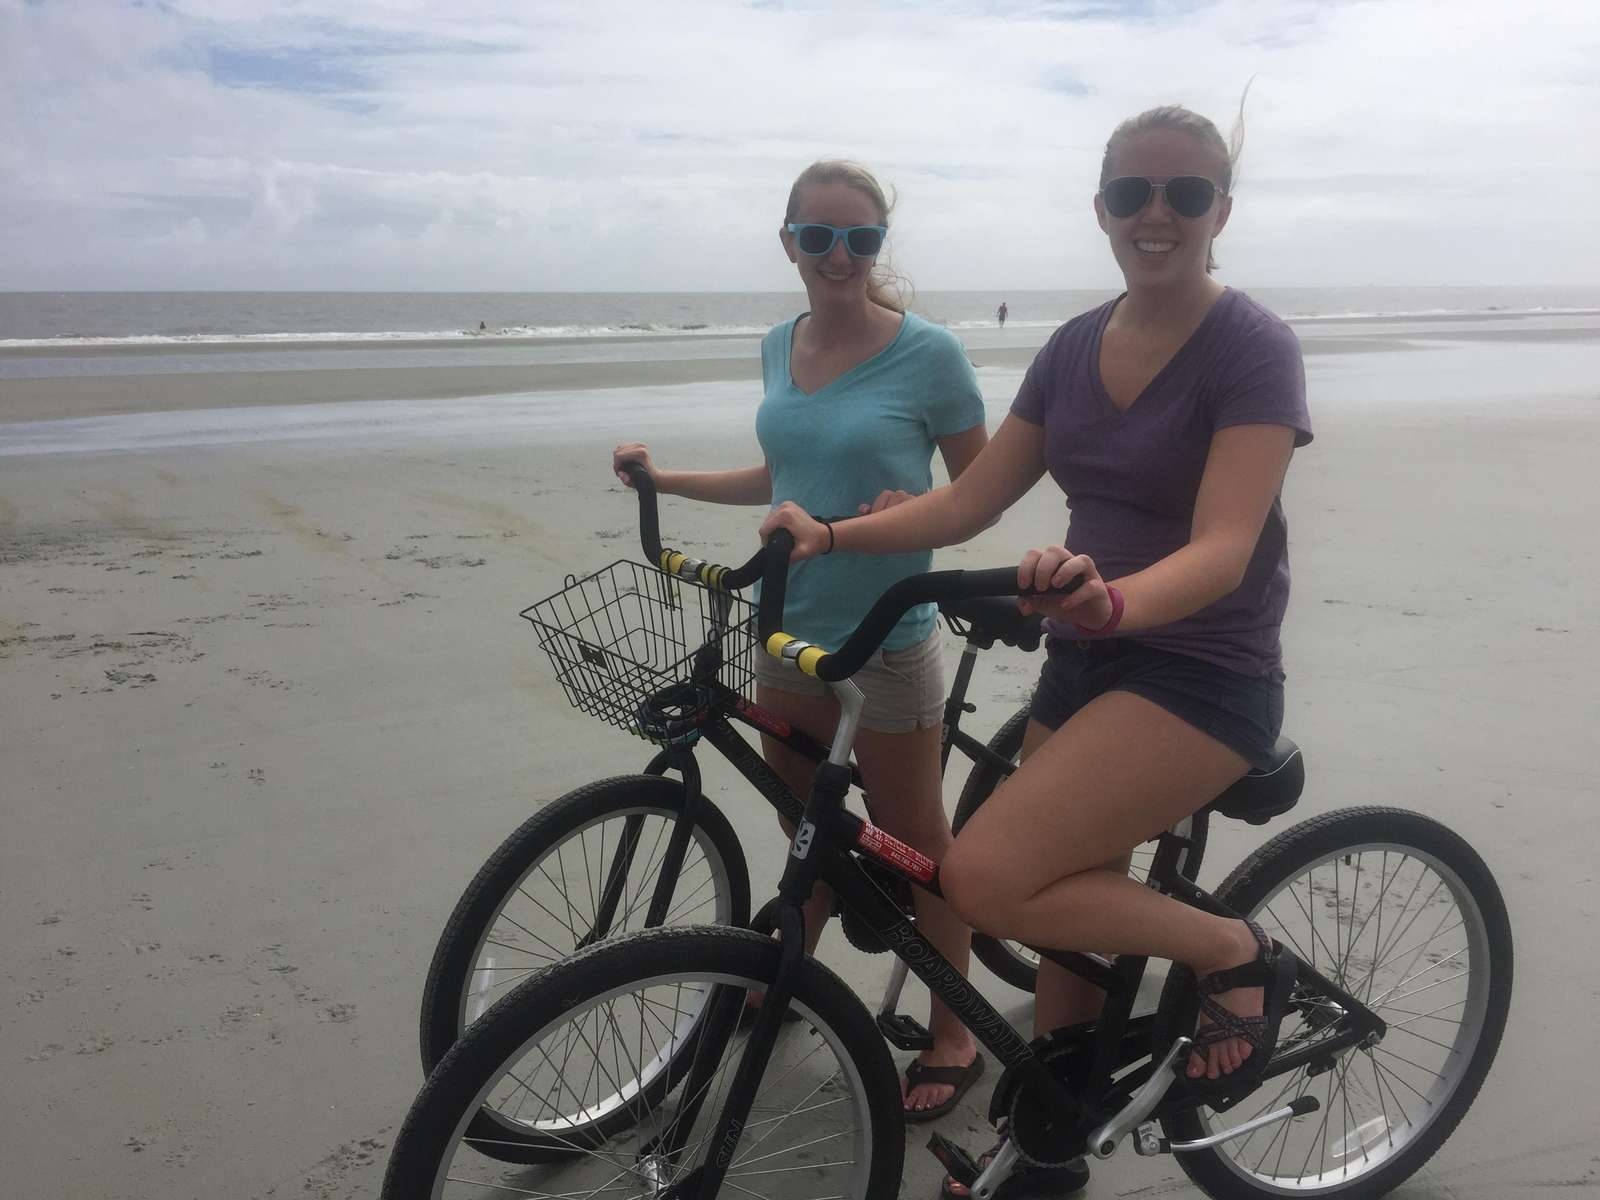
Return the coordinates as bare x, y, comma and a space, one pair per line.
1402, 914
583, 867
1012, 961
618, 1059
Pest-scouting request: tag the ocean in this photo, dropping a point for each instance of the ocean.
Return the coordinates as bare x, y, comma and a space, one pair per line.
46, 319
82, 372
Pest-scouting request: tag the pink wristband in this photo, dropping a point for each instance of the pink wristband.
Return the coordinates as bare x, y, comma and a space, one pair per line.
1112, 622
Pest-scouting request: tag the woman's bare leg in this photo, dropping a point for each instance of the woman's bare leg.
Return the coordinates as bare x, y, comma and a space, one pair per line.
904, 787
1028, 863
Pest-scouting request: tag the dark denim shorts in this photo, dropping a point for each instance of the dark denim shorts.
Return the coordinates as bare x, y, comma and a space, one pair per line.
1242, 712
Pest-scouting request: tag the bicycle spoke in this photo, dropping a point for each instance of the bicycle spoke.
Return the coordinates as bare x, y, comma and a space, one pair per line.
1446, 1047
1429, 986
1416, 1016
647, 876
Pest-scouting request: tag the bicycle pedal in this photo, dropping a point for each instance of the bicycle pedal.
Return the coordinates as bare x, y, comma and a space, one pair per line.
957, 1163
904, 1032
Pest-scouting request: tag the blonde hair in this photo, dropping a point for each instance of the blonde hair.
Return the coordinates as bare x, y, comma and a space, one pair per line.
1175, 116
886, 287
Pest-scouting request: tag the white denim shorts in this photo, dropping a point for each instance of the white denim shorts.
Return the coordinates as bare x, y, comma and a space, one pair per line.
903, 689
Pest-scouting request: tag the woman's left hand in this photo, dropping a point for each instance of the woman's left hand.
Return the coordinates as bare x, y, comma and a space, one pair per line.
1055, 567
887, 498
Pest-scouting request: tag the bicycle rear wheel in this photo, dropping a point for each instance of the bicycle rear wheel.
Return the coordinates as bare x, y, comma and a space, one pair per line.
538, 897
1403, 914
598, 1057
1012, 961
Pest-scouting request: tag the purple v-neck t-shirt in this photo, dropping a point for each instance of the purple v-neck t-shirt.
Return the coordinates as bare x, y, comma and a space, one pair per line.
1131, 477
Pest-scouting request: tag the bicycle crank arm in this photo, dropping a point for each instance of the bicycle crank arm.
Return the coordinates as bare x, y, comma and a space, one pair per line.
1146, 1142
1103, 1141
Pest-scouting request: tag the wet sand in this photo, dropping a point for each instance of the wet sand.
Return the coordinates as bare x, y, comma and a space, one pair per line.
267, 707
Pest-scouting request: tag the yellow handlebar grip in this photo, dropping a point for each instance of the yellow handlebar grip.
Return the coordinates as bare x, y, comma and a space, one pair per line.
809, 658
777, 642
671, 560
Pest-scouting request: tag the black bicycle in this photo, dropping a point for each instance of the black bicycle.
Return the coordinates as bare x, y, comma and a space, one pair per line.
640, 851
627, 1069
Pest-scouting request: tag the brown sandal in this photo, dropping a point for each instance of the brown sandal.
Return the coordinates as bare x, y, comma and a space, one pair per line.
1272, 970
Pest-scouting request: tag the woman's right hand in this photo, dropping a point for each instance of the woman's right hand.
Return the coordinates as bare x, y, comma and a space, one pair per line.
632, 452
811, 537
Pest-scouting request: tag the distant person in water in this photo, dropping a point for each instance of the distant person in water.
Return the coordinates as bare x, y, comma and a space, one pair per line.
1000, 314
482, 328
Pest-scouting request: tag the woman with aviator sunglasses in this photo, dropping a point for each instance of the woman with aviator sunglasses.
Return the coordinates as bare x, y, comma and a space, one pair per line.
1168, 416
859, 393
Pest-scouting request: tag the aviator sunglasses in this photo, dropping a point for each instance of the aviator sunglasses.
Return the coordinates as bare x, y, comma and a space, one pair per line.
863, 241
1186, 195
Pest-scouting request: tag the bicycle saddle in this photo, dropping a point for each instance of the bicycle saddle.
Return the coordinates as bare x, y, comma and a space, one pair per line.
1267, 792
996, 618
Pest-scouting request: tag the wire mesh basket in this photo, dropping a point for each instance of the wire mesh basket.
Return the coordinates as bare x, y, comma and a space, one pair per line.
628, 631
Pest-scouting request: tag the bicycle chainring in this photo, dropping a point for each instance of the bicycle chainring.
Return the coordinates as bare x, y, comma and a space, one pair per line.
1043, 1137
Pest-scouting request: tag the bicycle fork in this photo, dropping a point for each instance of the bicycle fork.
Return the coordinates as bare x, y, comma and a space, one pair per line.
611, 891
828, 788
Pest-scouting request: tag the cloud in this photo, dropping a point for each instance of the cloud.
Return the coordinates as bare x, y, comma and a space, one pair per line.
491, 144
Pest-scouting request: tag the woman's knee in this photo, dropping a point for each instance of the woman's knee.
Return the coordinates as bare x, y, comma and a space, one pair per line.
973, 883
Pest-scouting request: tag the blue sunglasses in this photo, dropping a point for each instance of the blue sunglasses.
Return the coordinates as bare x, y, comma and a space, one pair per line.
863, 241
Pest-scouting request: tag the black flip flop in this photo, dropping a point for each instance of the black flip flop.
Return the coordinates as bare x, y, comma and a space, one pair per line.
960, 1078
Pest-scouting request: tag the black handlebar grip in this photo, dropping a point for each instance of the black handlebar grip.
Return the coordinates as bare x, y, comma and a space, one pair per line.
922, 589
1002, 581
774, 583
649, 522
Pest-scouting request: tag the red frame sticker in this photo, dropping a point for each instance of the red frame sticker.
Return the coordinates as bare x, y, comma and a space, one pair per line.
757, 715
895, 853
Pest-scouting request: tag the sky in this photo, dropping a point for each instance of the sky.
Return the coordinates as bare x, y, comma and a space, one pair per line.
540, 145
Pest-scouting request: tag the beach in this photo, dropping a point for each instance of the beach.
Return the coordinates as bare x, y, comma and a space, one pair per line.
267, 705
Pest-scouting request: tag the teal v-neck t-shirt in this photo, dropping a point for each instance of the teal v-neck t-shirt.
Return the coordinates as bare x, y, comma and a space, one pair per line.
874, 427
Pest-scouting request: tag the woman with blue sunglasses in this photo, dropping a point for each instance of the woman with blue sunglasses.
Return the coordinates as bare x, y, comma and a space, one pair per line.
1169, 416
859, 394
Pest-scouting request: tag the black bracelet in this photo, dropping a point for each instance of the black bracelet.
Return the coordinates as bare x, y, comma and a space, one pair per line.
829, 524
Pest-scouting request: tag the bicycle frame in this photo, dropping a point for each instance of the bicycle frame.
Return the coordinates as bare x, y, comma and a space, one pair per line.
680, 758
827, 841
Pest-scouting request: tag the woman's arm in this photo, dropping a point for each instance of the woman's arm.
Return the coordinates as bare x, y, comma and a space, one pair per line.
742, 485
961, 450
1244, 472
1000, 473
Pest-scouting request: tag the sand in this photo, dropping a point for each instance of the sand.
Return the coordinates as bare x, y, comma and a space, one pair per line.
267, 707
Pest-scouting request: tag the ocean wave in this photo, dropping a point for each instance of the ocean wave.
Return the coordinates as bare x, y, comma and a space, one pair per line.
649, 329
625, 330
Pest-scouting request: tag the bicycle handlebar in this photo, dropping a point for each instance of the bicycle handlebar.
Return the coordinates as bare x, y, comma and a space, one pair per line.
771, 565
675, 563
933, 587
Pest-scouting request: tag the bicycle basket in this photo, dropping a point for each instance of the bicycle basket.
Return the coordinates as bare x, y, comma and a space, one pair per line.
626, 632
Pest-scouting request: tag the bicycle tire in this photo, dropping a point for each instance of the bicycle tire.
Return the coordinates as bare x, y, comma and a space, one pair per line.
1376, 1154
439, 1124
1011, 961
444, 1010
